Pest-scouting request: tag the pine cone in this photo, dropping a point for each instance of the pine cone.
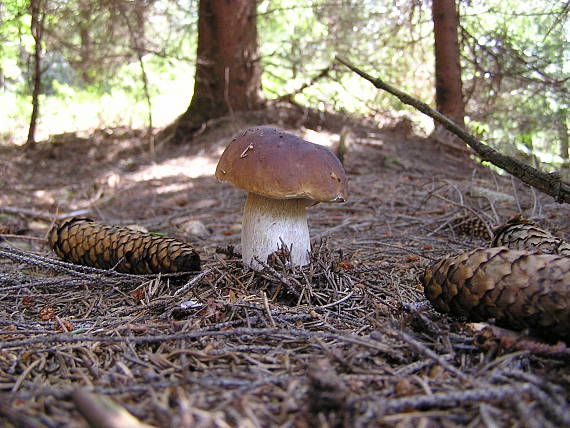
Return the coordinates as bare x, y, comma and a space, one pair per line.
82, 241
471, 226
517, 288
521, 234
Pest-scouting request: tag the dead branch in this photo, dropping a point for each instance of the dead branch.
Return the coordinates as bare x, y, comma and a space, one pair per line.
549, 183
289, 97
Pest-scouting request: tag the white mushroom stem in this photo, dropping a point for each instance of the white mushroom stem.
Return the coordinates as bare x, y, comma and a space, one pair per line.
268, 224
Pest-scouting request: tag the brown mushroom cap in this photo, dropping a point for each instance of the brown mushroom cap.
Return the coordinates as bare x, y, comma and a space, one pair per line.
275, 164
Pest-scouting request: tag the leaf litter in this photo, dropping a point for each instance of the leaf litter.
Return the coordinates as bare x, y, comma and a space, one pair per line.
349, 340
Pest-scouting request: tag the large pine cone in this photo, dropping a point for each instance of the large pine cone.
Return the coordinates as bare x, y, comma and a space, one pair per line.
516, 288
82, 241
522, 234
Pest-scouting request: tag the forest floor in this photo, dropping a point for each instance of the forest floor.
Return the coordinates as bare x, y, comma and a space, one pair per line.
349, 340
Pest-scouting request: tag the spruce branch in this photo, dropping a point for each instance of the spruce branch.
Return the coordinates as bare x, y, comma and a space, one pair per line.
549, 183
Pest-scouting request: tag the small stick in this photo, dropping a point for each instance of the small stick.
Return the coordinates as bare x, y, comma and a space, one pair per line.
42, 216
267, 310
24, 375
456, 398
429, 353
193, 281
30, 238
338, 302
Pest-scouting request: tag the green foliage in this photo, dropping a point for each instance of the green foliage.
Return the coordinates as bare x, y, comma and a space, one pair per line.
91, 74
15, 42
515, 58
87, 107
517, 70
299, 39
15, 111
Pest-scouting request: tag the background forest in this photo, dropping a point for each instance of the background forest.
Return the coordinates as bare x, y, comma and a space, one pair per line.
111, 63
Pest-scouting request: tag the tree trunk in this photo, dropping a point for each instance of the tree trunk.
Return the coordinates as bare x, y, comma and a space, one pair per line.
37, 29
228, 73
562, 128
448, 86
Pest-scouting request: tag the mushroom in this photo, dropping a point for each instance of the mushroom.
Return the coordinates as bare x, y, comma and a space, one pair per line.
283, 175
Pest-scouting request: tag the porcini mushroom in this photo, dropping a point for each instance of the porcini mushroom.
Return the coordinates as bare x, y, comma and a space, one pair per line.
283, 174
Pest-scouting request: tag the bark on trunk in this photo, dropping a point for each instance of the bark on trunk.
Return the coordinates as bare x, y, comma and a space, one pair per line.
562, 129
228, 73
448, 86
37, 28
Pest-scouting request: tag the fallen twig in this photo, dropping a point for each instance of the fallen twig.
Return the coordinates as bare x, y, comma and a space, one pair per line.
549, 183
193, 281
431, 354
57, 265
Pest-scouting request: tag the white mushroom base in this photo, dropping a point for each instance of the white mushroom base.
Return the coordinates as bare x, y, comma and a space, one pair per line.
269, 224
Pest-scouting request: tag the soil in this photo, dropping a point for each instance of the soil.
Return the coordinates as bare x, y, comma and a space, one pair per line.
349, 340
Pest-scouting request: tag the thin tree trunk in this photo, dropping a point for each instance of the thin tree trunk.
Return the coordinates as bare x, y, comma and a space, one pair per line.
228, 73
562, 127
448, 85
37, 29
137, 36
85, 49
